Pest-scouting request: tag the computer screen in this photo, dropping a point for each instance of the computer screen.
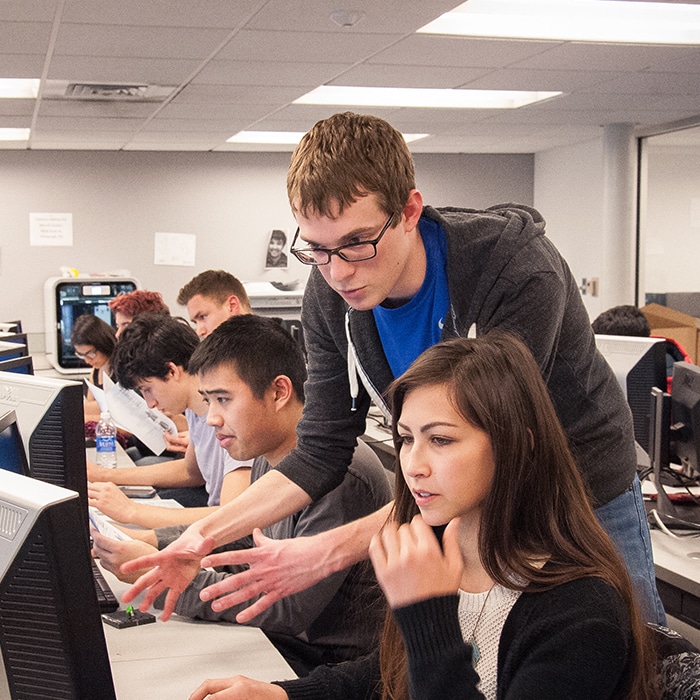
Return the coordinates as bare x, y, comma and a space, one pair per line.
12, 455
51, 634
639, 364
11, 351
68, 298
19, 365
685, 418
51, 421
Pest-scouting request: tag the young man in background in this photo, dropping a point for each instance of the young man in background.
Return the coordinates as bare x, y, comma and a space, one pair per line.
211, 297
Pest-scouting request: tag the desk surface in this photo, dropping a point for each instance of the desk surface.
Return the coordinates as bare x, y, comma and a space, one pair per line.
677, 560
170, 659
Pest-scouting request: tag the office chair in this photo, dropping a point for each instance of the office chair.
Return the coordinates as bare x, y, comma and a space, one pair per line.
678, 665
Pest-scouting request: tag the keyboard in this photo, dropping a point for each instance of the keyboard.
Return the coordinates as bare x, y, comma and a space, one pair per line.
106, 600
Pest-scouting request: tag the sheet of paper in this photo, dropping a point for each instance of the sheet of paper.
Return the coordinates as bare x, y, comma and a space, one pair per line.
98, 394
131, 413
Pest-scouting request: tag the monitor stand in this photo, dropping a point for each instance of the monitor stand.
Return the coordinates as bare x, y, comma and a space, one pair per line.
659, 447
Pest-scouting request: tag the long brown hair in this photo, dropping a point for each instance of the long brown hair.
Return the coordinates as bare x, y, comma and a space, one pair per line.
537, 507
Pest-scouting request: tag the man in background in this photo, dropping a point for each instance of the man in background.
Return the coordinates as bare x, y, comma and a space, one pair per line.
211, 297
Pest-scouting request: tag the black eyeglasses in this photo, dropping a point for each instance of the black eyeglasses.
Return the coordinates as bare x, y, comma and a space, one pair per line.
90, 354
351, 252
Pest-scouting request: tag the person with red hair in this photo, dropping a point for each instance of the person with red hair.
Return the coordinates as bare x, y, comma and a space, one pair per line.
126, 306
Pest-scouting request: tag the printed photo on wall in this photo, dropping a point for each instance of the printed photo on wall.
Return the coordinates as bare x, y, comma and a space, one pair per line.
276, 257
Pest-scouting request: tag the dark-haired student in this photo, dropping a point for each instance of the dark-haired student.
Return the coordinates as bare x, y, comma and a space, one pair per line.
152, 356
255, 400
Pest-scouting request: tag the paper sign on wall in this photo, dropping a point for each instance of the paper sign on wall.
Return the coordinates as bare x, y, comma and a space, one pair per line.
174, 249
50, 229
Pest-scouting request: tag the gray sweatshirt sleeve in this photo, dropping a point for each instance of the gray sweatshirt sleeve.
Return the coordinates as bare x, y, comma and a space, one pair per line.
329, 427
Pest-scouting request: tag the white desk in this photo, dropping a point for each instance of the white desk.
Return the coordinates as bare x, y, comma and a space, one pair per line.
170, 659
677, 565
677, 560
123, 459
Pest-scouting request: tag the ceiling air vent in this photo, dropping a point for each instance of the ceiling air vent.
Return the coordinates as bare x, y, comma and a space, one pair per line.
109, 92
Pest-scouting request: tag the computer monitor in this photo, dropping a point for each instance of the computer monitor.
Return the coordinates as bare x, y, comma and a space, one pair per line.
66, 298
51, 635
685, 418
639, 364
51, 421
12, 454
10, 326
11, 351
19, 365
21, 338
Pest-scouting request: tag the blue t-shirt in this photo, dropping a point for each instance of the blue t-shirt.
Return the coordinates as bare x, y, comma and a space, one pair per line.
408, 330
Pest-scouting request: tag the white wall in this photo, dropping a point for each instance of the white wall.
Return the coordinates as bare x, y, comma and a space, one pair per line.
230, 201
569, 194
671, 219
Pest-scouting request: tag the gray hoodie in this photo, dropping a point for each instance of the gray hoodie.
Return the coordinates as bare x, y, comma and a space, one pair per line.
502, 272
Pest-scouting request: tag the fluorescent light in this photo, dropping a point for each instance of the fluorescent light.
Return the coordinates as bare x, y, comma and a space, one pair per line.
279, 137
9, 134
610, 21
421, 97
288, 137
409, 138
19, 88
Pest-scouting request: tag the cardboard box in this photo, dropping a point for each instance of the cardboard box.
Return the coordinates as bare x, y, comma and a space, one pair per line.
670, 323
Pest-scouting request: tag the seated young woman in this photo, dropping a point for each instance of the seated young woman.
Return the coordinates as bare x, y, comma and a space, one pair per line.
525, 596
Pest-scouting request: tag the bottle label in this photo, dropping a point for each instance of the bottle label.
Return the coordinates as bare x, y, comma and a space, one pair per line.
106, 443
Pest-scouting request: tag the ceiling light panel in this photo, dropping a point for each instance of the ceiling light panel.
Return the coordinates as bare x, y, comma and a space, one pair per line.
289, 137
19, 88
421, 97
609, 21
11, 134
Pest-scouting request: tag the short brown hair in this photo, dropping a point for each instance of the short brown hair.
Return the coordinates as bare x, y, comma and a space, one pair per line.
349, 156
216, 284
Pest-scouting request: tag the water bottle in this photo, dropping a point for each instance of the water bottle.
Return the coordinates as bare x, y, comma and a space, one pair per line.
106, 441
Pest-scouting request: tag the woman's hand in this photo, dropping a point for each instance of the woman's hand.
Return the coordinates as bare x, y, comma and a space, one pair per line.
238, 688
411, 566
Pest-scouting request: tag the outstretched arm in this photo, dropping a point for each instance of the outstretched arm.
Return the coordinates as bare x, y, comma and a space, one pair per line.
269, 499
279, 568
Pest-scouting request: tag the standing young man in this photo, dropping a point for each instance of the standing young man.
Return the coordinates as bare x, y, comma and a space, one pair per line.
391, 278
211, 297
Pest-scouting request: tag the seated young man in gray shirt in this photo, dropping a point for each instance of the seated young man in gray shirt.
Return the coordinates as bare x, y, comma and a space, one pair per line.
255, 402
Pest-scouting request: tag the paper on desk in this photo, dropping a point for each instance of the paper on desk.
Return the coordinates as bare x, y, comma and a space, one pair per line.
131, 413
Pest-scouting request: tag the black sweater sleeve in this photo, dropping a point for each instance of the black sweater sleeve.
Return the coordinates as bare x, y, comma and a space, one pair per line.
351, 680
439, 661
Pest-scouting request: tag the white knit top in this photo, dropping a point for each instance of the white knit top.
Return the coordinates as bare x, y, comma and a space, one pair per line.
488, 630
